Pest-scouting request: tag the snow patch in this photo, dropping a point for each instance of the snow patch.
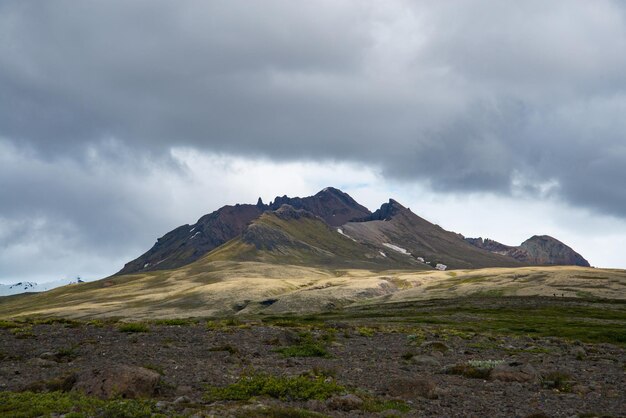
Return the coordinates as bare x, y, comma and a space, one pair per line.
344, 234
441, 267
421, 259
192, 229
396, 248
195, 235
146, 265
382, 253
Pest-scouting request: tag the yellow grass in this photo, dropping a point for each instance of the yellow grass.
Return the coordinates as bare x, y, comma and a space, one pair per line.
223, 288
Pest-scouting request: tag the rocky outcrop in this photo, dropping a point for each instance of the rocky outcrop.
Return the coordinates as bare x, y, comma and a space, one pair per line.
118, 381
541, 250
332, 205
384, 213
545, 250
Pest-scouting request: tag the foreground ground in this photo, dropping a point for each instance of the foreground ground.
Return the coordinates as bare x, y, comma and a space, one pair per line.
520, 357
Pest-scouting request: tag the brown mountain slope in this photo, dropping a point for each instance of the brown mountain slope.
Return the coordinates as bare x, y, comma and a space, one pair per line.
395, 229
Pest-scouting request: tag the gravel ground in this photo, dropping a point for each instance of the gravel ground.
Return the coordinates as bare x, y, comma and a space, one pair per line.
409, 364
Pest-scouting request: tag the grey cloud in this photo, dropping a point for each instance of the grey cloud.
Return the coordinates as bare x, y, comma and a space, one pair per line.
462, 94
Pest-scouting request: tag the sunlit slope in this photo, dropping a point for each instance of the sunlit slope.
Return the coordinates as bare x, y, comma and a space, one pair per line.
226, 288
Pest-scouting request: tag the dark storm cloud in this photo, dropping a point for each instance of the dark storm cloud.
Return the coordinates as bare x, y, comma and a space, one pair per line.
466, 95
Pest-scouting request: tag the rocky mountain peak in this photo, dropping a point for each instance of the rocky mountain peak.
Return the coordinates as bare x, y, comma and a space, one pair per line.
385, 213
332, 205
288, 212
545, 250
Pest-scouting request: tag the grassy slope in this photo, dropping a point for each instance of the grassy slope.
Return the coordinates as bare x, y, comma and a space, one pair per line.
210, 288
306, 241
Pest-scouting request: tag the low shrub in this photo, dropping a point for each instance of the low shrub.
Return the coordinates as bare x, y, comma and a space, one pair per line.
365, 331
557, 380
226, 347
299, 388
73, 404
133, 327
305, 349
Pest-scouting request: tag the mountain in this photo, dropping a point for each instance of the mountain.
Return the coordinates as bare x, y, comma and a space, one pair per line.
398, 230
298, 237
188, 243
391, 236
30, 287
539, 250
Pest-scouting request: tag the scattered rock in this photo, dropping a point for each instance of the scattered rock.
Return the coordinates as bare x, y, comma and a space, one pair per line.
514, 372
579, 352
41, 362
48, 356
412, 387
121, 380
161, 405
425, 360
435, 346
181, 399
348, 402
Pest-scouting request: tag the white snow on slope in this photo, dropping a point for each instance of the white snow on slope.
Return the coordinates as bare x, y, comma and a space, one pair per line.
396, 248
27, 287
344, 234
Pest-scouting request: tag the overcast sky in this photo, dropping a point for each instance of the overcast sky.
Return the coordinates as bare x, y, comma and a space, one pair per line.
122, 120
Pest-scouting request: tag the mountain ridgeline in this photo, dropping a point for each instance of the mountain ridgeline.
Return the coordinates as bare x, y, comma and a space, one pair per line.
331, 229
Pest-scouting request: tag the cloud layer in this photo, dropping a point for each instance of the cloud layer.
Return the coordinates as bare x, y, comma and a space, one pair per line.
464, 96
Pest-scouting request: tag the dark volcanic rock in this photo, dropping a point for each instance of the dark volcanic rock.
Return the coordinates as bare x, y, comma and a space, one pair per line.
332, 205
187, 243
385, 213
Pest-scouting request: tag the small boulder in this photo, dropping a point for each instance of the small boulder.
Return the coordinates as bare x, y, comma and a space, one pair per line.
39, 362
120, 380
514, 372
48, 356
435, 346
348, 402
182, 399
424, 360
412, 388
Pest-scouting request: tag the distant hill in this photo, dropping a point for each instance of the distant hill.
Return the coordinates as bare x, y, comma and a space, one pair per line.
540, 250
28, 287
